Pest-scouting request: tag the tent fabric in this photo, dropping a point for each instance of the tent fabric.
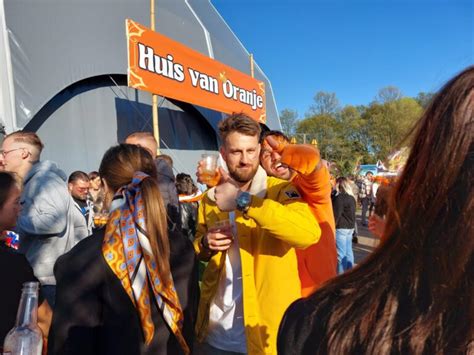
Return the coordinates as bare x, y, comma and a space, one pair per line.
89, 118
62, 70
7, 105
66, 41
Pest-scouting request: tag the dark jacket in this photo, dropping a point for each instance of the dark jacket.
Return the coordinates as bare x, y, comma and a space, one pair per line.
14, 271
166, 184
189, 212
94, 314
344, 207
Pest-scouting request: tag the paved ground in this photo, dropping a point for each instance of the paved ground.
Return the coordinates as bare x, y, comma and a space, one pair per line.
367, 242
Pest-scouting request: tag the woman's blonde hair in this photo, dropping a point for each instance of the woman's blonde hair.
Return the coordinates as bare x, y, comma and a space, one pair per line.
343, 185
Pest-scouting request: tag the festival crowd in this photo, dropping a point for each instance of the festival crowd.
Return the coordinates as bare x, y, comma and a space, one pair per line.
133, 260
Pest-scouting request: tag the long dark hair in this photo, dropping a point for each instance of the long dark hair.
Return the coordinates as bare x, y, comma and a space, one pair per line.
414, 294
117, 168
7, 181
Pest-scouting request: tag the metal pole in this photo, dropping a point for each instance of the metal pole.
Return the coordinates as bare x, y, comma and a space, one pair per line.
154, 97
252, 72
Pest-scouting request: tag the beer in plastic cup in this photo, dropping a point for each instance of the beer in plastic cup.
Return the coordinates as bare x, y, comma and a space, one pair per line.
209, 167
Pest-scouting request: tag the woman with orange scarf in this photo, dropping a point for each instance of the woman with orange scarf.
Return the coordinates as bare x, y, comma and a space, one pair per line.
131, 287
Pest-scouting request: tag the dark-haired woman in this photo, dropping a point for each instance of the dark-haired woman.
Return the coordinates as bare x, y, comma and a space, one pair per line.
14, 268
415, 293
130, 288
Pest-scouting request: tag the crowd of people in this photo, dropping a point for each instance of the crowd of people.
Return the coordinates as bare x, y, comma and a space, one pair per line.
133, 260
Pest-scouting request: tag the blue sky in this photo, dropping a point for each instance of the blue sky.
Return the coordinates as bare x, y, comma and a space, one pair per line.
353, 48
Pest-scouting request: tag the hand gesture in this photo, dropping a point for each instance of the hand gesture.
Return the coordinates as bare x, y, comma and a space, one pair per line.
303, 158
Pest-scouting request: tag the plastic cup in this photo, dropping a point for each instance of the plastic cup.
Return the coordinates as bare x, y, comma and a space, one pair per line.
209, 167
223, 226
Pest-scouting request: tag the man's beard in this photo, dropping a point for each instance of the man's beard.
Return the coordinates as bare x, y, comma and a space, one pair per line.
243, 176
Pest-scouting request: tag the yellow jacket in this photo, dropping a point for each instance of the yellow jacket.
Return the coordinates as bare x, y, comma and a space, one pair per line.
278, 221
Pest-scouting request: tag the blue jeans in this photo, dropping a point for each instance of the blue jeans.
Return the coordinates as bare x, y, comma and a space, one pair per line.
345, 256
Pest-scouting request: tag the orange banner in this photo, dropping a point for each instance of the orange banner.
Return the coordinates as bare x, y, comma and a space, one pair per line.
165, 67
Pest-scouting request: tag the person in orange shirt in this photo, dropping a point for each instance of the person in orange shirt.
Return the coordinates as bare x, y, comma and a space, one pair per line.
302, 164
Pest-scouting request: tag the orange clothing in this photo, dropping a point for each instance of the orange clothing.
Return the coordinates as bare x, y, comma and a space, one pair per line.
317, 263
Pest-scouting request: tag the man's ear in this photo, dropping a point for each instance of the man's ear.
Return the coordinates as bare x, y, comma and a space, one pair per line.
69, 187
25, 153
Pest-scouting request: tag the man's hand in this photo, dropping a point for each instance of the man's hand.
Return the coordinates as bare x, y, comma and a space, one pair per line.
218, 239
303, 158
226, 193
202, 179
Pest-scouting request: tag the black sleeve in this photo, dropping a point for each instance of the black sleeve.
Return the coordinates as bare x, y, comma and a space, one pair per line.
15, 270
337, 206
76, 324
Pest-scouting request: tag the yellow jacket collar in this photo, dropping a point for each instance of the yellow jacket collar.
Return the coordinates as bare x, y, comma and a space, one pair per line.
258, 186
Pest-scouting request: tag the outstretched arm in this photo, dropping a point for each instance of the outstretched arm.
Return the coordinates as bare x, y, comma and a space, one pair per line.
312, 175
291, 222
286, 217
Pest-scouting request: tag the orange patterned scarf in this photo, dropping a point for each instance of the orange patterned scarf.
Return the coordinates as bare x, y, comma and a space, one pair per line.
127, 251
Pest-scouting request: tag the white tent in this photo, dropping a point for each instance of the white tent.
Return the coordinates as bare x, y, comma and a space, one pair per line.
63, 67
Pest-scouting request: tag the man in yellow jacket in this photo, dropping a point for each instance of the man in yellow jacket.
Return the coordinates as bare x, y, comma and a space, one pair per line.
248, 227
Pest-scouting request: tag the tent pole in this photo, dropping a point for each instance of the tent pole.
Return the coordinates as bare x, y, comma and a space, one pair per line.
251, 65
154, 97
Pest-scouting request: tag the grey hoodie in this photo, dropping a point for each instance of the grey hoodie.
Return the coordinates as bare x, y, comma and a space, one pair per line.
49, 225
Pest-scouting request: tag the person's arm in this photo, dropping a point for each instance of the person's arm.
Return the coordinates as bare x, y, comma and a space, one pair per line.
291, 222
203, 249
45, 314
312, 175
45, 213
315, 187
287, 217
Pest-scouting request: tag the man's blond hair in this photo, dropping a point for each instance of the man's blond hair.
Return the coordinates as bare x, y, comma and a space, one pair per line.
29, 138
